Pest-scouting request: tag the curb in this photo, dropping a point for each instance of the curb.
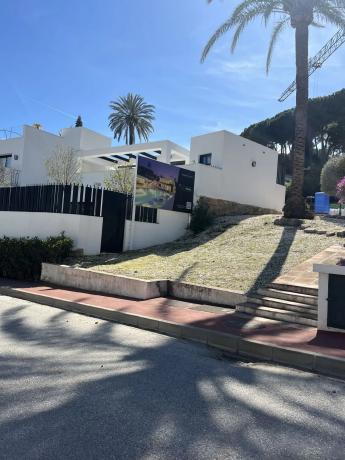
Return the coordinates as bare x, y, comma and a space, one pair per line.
234, 345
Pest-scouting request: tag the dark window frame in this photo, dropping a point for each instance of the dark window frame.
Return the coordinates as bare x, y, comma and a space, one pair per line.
205, 159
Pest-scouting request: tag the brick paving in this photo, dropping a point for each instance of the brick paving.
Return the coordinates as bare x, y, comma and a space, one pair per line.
219, 319
303, 275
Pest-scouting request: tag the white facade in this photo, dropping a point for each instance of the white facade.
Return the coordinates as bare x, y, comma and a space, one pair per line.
86, 231
169, 227
240, 170
29, 152
227, 166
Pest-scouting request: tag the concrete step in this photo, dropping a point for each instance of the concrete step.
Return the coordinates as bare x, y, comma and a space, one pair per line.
289, 296
274, 313
284, 304
294, 288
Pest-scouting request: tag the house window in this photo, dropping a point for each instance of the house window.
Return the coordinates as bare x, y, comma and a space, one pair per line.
205, 159
5, 160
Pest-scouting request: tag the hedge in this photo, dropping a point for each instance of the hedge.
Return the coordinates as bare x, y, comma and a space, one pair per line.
21, 258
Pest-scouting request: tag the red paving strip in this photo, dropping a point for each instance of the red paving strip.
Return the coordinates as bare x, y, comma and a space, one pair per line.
180, 312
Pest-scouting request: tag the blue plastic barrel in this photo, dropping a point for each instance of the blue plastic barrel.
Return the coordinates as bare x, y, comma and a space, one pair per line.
321, 203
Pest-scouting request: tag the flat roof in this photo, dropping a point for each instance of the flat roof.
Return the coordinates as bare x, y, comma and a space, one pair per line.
124, 153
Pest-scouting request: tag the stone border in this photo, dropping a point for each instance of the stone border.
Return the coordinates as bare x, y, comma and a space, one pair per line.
89, 280
106, 283
207, 294
234, 345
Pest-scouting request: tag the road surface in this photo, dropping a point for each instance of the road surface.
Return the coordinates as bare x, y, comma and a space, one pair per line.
74, 387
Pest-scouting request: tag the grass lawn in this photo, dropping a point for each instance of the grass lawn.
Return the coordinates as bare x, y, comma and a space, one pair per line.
239, 253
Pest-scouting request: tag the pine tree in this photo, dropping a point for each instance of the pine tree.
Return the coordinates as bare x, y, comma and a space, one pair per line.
79, 122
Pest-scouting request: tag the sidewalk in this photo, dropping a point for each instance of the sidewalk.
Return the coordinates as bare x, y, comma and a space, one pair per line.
281, 342
304, 275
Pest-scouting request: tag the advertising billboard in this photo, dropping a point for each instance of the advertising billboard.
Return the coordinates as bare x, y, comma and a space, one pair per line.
163, 186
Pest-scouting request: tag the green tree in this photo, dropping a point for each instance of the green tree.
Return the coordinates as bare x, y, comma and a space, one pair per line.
79, 122
325, 127
131, 116
331, 173
299, 14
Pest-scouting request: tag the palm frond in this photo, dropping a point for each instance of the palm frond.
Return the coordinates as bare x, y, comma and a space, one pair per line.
215, 37
278, 29
330, 13
246, 12
324, 11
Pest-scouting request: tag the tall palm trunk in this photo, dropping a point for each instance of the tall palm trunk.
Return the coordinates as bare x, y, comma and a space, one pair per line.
295, 206
131, 135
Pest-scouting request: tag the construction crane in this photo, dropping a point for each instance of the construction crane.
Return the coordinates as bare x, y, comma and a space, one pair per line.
316, 62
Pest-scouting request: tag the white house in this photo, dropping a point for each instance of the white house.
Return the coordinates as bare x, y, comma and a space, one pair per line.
227, 167
231, 168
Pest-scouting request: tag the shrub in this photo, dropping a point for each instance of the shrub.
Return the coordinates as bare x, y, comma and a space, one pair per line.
201, 217
21, 258
341, 190
331, 173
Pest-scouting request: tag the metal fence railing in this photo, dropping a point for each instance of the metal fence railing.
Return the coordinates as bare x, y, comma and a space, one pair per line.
142, 213
70, 199
65, 199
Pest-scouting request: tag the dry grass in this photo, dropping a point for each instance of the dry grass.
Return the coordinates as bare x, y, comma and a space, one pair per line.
239, 253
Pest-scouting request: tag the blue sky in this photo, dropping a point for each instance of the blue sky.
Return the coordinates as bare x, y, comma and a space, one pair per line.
75, 56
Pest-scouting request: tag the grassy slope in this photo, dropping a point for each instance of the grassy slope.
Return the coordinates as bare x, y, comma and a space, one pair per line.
236, 253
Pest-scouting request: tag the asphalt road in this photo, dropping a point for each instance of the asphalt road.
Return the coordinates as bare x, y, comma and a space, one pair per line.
73, 387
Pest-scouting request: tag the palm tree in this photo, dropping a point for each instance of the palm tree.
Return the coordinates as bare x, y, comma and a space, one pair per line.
131, 115
299, 14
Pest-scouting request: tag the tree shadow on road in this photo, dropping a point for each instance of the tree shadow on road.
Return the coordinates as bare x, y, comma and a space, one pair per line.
79, 388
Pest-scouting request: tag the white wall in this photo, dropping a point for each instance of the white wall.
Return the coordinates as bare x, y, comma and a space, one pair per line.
86, 231
94, 178
171, 226
38, 147
232, 176
208, 143
83, 138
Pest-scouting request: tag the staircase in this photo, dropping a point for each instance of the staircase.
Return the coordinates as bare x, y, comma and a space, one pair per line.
283, 302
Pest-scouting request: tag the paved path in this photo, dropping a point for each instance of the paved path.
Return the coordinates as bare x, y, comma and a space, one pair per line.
303, 274
74, 387
277, 333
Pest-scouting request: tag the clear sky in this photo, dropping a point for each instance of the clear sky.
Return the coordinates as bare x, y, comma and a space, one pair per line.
74, 56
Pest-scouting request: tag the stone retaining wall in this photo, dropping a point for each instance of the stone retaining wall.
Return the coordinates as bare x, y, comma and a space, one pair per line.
230, 208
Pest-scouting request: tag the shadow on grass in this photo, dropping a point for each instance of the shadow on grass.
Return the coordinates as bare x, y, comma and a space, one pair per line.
184, 244
273, 267
86, 391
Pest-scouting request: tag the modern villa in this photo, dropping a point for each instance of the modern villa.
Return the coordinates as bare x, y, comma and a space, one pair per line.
228, 167
228, 170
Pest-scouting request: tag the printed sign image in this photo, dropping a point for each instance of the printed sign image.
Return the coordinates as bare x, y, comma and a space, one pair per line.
164, 186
